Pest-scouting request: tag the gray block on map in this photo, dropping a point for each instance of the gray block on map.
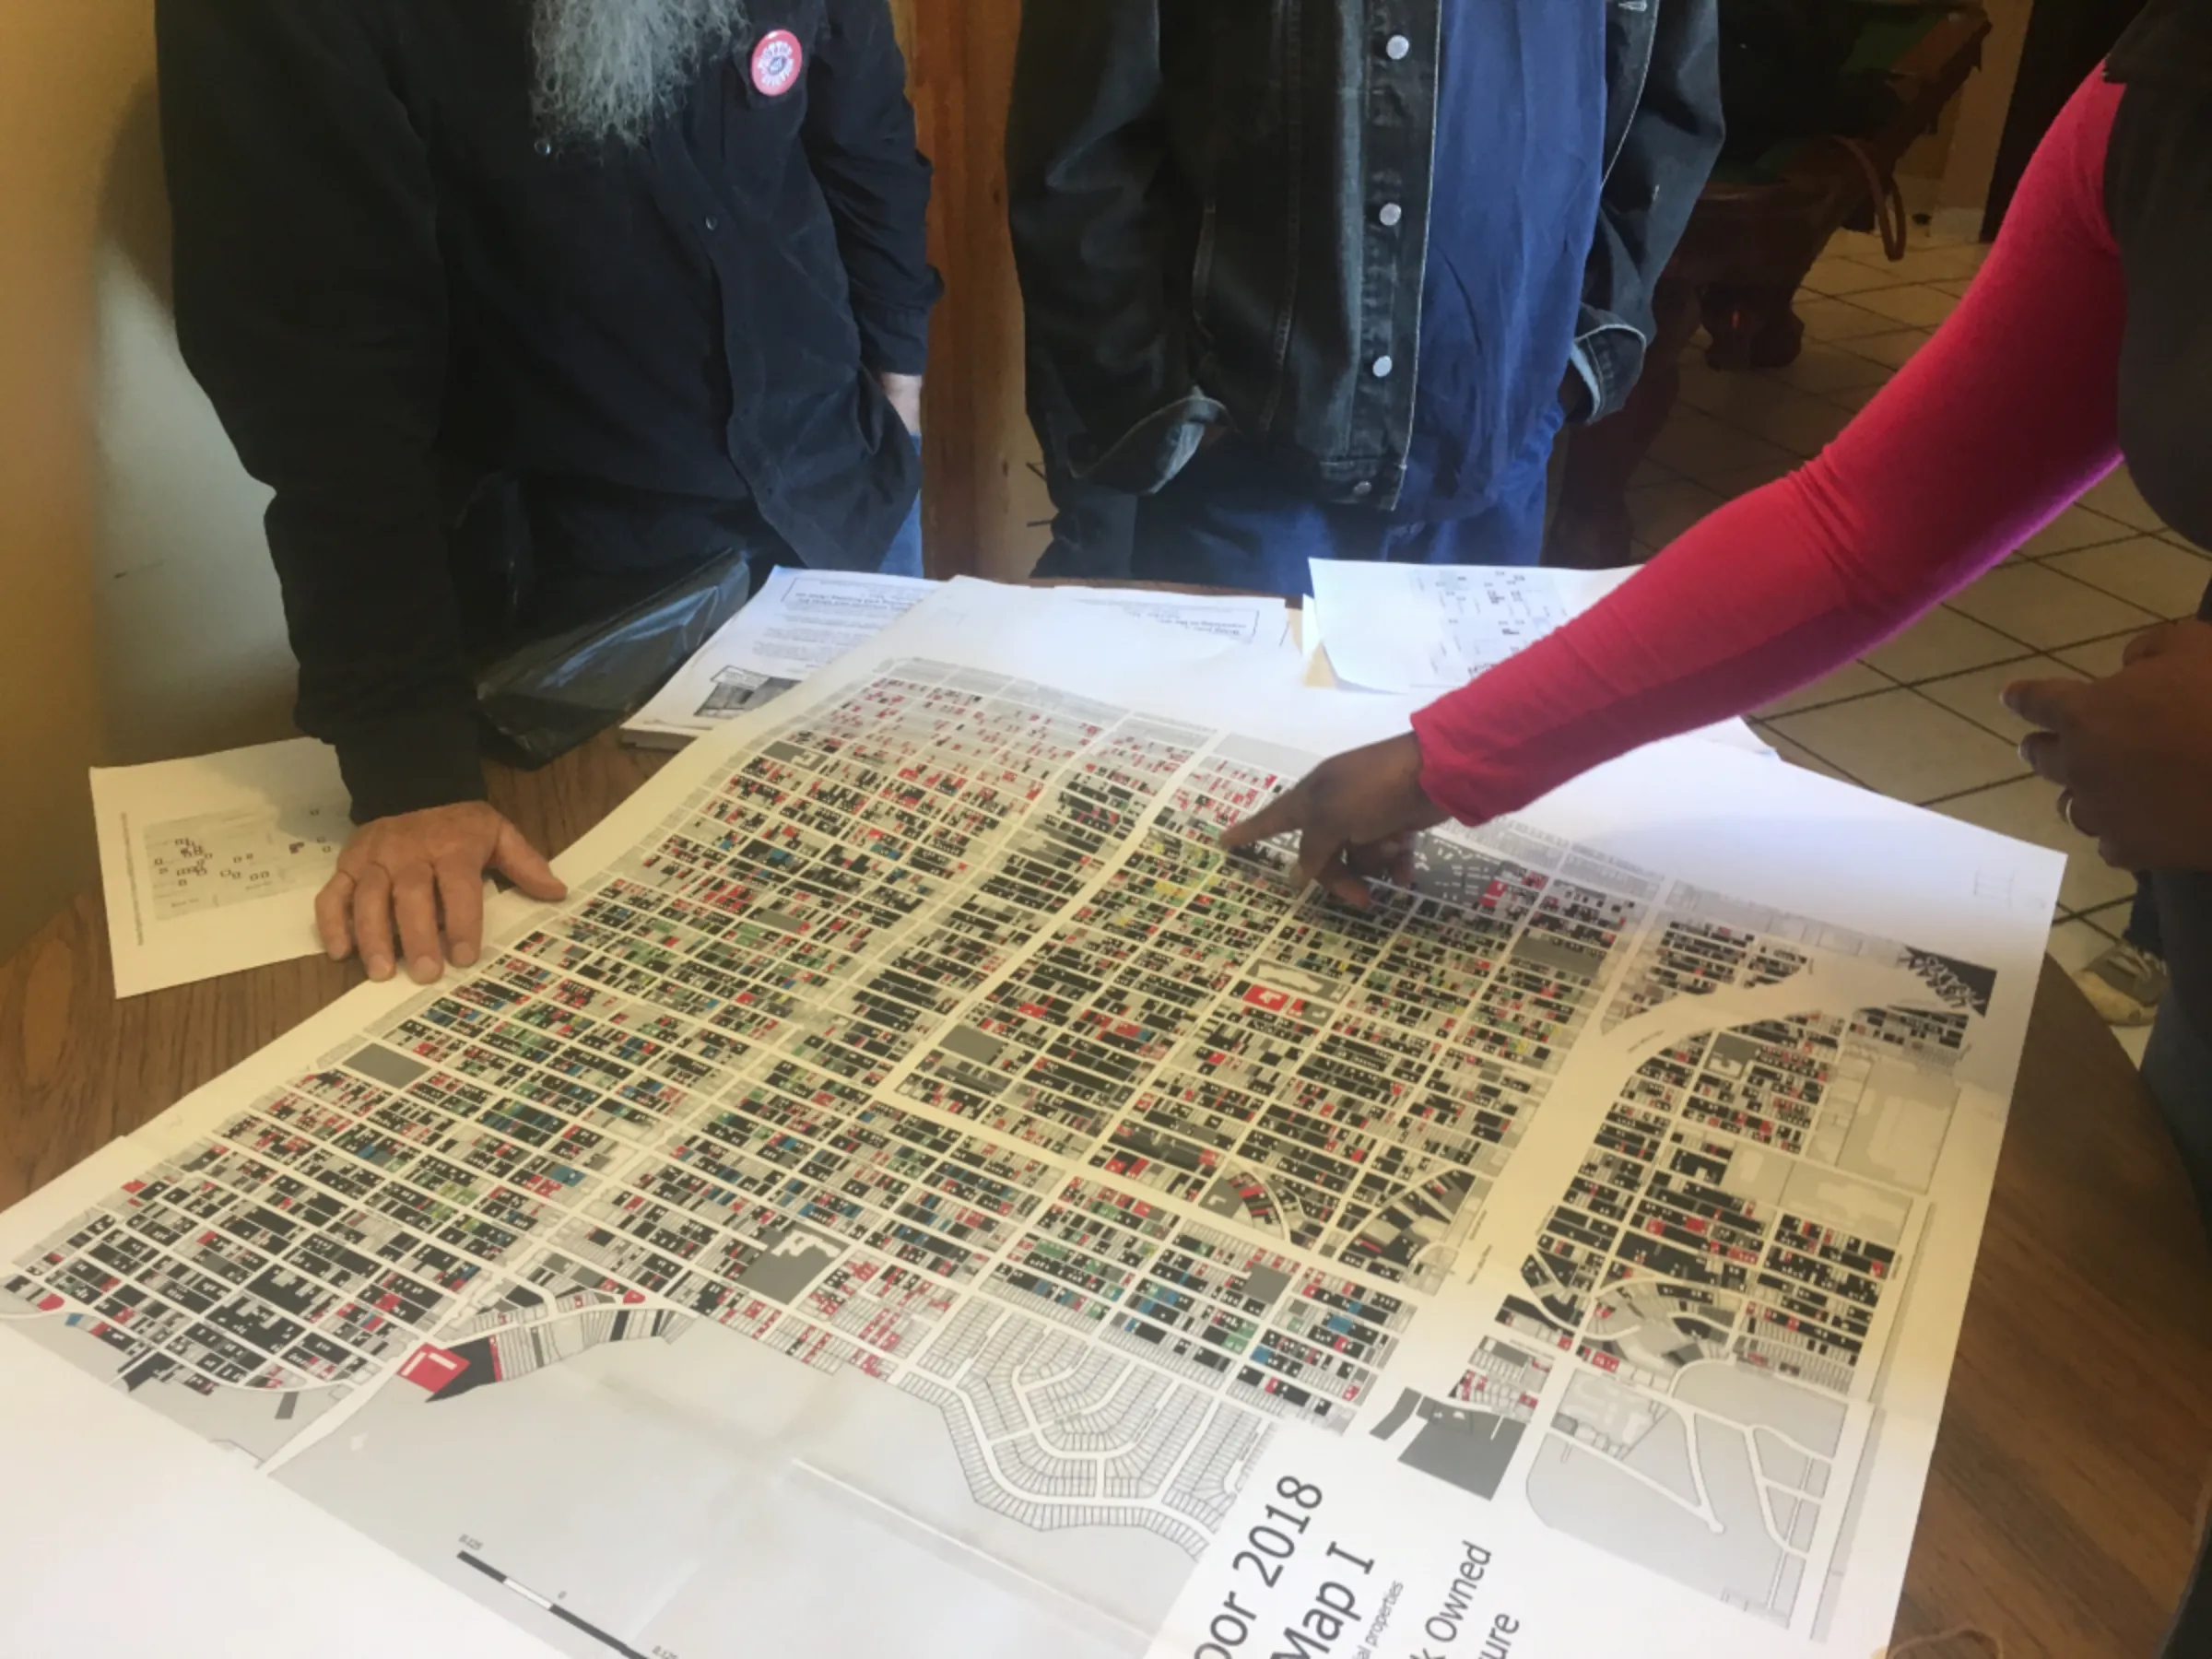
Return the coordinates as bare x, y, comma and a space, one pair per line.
795, 1259
387, 1065
971, 1045
1470, 1450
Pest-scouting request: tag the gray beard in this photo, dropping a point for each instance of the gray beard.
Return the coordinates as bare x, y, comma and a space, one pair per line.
607, 70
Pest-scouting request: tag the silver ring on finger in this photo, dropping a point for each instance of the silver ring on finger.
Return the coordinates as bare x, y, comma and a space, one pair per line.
2065, 809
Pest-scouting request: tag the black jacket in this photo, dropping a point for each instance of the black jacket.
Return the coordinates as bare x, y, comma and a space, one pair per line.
384, 273
1153, 139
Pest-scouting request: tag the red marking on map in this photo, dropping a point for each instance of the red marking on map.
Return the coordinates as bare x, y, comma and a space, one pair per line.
432, 1369
50, 1304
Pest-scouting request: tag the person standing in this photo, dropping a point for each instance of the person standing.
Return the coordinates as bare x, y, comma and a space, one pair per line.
526, 310
1325, 280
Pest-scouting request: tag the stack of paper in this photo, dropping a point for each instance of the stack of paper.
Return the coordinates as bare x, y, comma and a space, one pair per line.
803, 620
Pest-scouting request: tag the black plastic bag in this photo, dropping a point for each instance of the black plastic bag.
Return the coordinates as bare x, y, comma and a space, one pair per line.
543, 698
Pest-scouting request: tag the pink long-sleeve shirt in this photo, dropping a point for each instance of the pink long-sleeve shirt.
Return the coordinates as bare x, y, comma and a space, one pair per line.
2000, 422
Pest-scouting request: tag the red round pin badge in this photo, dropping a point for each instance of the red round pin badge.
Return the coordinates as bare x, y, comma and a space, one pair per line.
776, 62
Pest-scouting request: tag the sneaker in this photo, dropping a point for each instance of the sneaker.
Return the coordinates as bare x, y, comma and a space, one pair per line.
2125, 985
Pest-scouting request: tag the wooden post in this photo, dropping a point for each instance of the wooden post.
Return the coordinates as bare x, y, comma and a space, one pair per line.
981, 494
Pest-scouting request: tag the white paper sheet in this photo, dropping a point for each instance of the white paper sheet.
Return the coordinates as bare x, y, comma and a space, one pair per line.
799, 621
804, 620
1434, 628
1410, 610
211, 864
1022, 1377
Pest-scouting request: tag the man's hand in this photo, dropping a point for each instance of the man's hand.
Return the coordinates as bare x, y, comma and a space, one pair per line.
2131, 755
411, 869
905, 392
1355, 816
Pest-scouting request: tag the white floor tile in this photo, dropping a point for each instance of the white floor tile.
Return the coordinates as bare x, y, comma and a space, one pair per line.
1837, 277
1976, 695
2028, 810
1661, 511
1937, 264
1853, 679
2075, 945
2035, 604
1823, 369
2118, 497
2076, 527
2099, 659
2148, 571
1741, 398
1892, 350
2112, 918
1957, 290
1855, 399
1648, 472
1797, 755
1696, 446
1837, 320
1805, 425
2186, 545
1903, 744
1743, 481
1914, 307
1943, 643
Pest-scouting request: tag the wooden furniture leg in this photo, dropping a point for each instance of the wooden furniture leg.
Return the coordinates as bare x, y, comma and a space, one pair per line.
1591, 531
1753, 326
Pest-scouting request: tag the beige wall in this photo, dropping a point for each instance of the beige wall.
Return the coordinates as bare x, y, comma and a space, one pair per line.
1981, 108
138, 614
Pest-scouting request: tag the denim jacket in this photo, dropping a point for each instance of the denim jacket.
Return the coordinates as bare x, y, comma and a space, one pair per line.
1192, 189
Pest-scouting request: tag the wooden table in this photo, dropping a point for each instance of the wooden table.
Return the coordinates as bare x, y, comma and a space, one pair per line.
2061, 1511
1746, 250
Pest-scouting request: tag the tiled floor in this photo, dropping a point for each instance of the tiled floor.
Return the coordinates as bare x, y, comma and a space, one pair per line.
1919, 718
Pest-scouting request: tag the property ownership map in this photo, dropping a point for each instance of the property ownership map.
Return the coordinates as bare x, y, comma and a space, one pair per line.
928, 1145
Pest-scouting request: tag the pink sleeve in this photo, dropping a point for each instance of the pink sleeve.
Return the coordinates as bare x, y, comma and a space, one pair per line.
1987, 434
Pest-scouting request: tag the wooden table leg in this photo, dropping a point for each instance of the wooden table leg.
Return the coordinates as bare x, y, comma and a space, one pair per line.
1753, 326
1591, 531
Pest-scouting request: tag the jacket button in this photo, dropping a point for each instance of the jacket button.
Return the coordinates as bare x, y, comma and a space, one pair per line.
1384, 365
1391, 215
1396, 48
544, 146
1363, 489
714, 224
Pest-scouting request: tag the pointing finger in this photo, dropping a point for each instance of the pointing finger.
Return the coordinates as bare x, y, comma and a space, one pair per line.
1280, 817
2047, 704
2046, 757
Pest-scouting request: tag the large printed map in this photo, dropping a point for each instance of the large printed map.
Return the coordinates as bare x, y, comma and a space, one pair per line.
934, 1050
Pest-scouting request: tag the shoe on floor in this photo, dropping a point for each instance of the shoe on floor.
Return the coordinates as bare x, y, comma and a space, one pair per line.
2125, 985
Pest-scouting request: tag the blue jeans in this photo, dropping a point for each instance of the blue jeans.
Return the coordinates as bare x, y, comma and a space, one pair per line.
903, 557
1225, 521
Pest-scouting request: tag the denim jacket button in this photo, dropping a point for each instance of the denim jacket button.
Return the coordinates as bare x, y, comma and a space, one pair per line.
1397, 47
1363, 489
1390, 215
1384, 365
